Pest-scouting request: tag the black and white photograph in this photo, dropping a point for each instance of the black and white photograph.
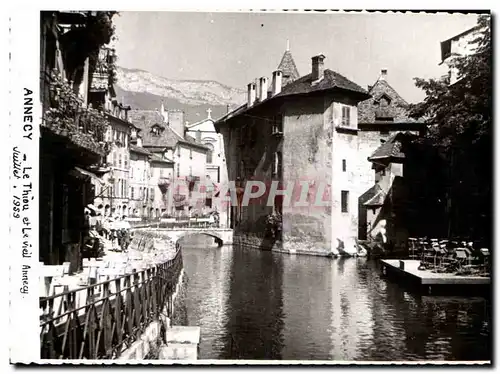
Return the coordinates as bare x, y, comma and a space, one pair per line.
251, 187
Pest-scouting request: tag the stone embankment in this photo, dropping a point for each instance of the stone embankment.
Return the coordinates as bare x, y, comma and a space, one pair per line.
260, 242
161, 339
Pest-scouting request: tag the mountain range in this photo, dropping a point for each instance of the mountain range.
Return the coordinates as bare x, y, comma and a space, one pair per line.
143, 90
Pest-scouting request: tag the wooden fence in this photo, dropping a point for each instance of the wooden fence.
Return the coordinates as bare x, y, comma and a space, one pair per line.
114, 315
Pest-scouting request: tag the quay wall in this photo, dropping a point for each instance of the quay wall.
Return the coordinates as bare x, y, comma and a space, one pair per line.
148, 344
293, 247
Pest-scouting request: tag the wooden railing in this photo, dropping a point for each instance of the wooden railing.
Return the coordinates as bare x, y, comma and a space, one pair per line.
115, 313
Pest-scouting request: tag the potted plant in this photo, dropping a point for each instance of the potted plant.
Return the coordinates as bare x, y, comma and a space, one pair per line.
274, 223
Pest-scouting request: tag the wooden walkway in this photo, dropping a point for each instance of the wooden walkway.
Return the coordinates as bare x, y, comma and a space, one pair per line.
406, 272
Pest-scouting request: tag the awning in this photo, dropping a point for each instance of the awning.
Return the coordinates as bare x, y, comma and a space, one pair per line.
90, 175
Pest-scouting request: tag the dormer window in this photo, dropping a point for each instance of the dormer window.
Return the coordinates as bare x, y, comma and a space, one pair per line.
383, 111
156, 130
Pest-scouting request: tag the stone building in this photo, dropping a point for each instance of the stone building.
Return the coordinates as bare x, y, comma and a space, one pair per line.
72, 144
204, 132
290, 135
163, 135
140, 193
113, 199
456, 46
380, 118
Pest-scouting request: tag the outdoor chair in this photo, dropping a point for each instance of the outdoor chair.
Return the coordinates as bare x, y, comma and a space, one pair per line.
462, 257
413, 247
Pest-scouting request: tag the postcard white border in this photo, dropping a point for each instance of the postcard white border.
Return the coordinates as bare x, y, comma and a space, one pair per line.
23, 45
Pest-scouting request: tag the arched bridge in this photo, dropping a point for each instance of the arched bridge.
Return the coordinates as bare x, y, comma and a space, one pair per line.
221, 236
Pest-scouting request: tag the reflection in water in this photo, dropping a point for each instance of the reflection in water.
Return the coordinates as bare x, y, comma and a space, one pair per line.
262, 305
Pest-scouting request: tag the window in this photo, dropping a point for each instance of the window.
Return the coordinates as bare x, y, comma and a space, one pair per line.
125, 162
114, 159
198, 135
208, 202
277, 164
178, 171
344, 165
190, 153
178, 151
120, 161
344, 201
278, 124
151, 194
346, 116
147, 193
132, 193
210, 153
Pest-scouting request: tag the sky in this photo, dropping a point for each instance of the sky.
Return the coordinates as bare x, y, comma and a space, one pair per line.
236, 48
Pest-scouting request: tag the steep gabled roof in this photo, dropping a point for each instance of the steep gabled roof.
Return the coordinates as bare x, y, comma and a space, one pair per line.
145, 120
392, 148
369, 110
288, 67
378, 196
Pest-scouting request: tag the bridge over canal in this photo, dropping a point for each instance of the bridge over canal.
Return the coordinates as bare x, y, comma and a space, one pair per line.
220, 235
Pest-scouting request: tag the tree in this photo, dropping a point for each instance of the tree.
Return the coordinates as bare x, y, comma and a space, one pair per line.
459, 118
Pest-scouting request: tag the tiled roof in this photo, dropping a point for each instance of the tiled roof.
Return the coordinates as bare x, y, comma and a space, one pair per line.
392, 148
288, 67
167, 138
140, 150
370, 110
156, 158
145, 120
330, 81
378, 197
303, 85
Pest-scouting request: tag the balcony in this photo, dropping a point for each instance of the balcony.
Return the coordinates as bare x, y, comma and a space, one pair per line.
68, 118
104, 71
191, 179
164, 184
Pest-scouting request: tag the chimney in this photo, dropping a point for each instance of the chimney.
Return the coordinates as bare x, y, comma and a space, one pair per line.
383, 74
263, 88
318, 67
277, 81
251, 94
139, 142
176, 121
227, 108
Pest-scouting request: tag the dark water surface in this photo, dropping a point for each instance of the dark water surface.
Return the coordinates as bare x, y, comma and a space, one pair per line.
262, 305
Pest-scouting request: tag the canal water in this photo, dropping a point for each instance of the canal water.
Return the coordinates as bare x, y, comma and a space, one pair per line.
262, 305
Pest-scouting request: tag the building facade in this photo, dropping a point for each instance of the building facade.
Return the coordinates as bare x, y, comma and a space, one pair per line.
317, 132
72, 143
458, 46
163, 135
290, 134
380, 118
216, 169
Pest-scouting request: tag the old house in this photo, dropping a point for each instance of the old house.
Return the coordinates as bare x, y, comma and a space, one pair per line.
298, 134
456, 46
114, 199
163, 135
380, 118
204, 132
72, 142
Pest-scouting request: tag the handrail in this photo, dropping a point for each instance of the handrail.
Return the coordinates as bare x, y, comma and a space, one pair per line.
114, 320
